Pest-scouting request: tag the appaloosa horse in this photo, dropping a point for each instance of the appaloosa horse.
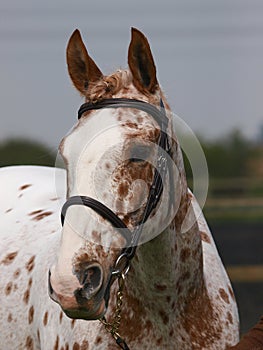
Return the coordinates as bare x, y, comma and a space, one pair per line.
127, 207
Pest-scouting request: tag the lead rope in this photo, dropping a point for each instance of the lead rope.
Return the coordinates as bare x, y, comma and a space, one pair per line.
113, 327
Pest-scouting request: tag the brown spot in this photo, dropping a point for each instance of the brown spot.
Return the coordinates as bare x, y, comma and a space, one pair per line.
205, 237
123, 189
171, 333
76, 346
31, 315
35, 212
148, 326
56, 343
29, 343
42, 215
224, 295
185, 276
164, 317
60, 316
62, 348
10, 318
160, 287
184, 255
73, 323
66, 346
8, 210
17, 273
98, 340
159, 341
23, 187
30, 264
54, 199
229, 317
84, 345
26, 296
38, 335
45, 318
131, 125
27, 292
8, 288
9, 258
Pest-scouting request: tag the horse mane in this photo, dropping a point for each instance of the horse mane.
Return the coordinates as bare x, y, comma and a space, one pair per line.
109, 85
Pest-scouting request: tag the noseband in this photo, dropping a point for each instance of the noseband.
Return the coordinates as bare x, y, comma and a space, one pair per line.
132, 238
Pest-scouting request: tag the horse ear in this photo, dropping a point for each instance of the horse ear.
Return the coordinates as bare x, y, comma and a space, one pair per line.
81, 67
141, 63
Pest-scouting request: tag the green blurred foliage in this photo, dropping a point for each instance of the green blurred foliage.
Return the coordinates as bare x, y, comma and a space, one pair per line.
229, 157
25, 152
235, 167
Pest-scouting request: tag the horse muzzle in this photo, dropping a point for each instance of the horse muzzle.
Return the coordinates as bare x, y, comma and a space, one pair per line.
84, 300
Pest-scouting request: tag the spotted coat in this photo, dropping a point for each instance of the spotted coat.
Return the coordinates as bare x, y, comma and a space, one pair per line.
177, 294
30, 320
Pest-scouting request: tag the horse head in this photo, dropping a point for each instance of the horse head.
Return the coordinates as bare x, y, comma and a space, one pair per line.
110, 156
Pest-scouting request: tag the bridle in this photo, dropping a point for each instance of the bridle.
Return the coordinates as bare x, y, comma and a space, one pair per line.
122, 264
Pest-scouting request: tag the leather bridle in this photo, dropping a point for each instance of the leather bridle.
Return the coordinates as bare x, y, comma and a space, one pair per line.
164, 148
132, 238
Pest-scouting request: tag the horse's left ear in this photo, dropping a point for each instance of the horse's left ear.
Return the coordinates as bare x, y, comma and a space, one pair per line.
141, 63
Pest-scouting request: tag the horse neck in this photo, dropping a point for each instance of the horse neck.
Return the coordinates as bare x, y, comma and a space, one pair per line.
169, 268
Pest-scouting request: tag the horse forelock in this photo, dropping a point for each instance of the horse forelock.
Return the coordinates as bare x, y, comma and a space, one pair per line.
118, 84
109, 85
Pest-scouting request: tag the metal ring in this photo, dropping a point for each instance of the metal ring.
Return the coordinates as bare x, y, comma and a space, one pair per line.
121, 270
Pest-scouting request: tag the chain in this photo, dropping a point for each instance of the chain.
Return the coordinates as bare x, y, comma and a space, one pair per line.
113, 327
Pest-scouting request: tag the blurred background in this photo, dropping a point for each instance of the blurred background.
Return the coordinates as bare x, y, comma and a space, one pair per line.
209, 57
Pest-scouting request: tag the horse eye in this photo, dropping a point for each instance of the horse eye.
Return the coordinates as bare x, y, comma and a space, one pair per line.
136, 160
139, 154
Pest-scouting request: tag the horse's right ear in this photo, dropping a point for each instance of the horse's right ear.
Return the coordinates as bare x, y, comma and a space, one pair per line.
81, 67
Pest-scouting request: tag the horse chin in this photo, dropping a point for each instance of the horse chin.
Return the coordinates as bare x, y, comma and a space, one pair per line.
86, 314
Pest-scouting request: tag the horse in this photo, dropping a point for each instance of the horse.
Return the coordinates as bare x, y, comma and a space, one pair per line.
134, 265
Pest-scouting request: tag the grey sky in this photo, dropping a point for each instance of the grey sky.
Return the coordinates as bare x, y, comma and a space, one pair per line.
209, 57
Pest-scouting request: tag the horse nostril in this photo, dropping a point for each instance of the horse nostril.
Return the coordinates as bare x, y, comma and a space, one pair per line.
92, 278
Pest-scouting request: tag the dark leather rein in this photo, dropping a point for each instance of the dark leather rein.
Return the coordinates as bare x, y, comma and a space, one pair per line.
132, 238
